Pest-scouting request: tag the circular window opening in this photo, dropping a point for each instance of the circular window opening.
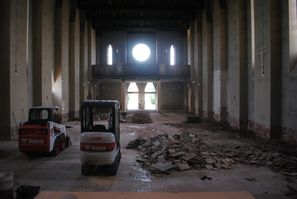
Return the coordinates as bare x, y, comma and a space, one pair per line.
141, 52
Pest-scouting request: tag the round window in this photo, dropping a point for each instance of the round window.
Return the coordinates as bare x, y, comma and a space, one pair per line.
141, 52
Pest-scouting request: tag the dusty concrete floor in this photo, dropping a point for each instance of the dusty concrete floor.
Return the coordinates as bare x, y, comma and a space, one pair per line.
62, 173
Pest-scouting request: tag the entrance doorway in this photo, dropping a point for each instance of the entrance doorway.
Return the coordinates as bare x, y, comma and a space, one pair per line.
141, 96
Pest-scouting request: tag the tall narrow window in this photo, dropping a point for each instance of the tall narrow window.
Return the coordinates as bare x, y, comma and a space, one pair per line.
109, 55
132, 96
150, 97
172, 56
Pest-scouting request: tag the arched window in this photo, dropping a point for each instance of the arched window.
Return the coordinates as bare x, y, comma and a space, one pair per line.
150, 97
109, 55
132, 88
172, 56
132, 96
150, 88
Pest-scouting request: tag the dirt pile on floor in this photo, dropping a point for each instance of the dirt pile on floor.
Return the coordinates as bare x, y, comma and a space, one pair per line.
164, 153
139, 117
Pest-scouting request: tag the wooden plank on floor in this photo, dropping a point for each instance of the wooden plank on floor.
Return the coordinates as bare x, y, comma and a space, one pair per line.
144, 195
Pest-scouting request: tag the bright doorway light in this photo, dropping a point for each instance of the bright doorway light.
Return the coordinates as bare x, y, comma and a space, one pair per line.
109, 55
141, 52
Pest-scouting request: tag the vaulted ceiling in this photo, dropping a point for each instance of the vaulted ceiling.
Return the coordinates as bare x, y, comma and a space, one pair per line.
140, 14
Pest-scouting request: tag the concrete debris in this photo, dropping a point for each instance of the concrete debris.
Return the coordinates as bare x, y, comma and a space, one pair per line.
135, 143
140, 117
163, 166
209, 166
183, 167
292, 188
164, 153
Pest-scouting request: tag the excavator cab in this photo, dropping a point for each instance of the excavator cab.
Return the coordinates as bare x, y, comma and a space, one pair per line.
100, 136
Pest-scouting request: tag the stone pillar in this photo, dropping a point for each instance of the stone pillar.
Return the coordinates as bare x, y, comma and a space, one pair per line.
191, 55
159, 96
220, 62
37, 53
84, 82
237, 81
91, 49
61, 70
141, 98
250, 61
98, 48
123, 96
43, 51
197, 85
5, 116
207, 28
74, 63
289, 71
267, 114
19, 81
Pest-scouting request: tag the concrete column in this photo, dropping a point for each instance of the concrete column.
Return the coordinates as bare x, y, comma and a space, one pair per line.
74, 63
43, 52
18, 64
237, 81
84, 81
14, 59
184, 51
267, 113
289, 71
191, 55
250, 61
159, 96
141, 99
220, 62
207, 43
197, 85
123, 96
61, 70
98, 48
37, 53
184, 93
5, 32
91, 49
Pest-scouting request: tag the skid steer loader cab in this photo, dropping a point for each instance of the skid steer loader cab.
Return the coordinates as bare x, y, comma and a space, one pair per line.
100, 136
43, 133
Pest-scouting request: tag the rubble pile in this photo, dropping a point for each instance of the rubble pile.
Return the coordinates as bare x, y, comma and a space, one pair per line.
140, 117
163, 153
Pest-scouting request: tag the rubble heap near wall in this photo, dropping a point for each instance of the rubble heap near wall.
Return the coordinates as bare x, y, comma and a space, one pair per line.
163, 154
